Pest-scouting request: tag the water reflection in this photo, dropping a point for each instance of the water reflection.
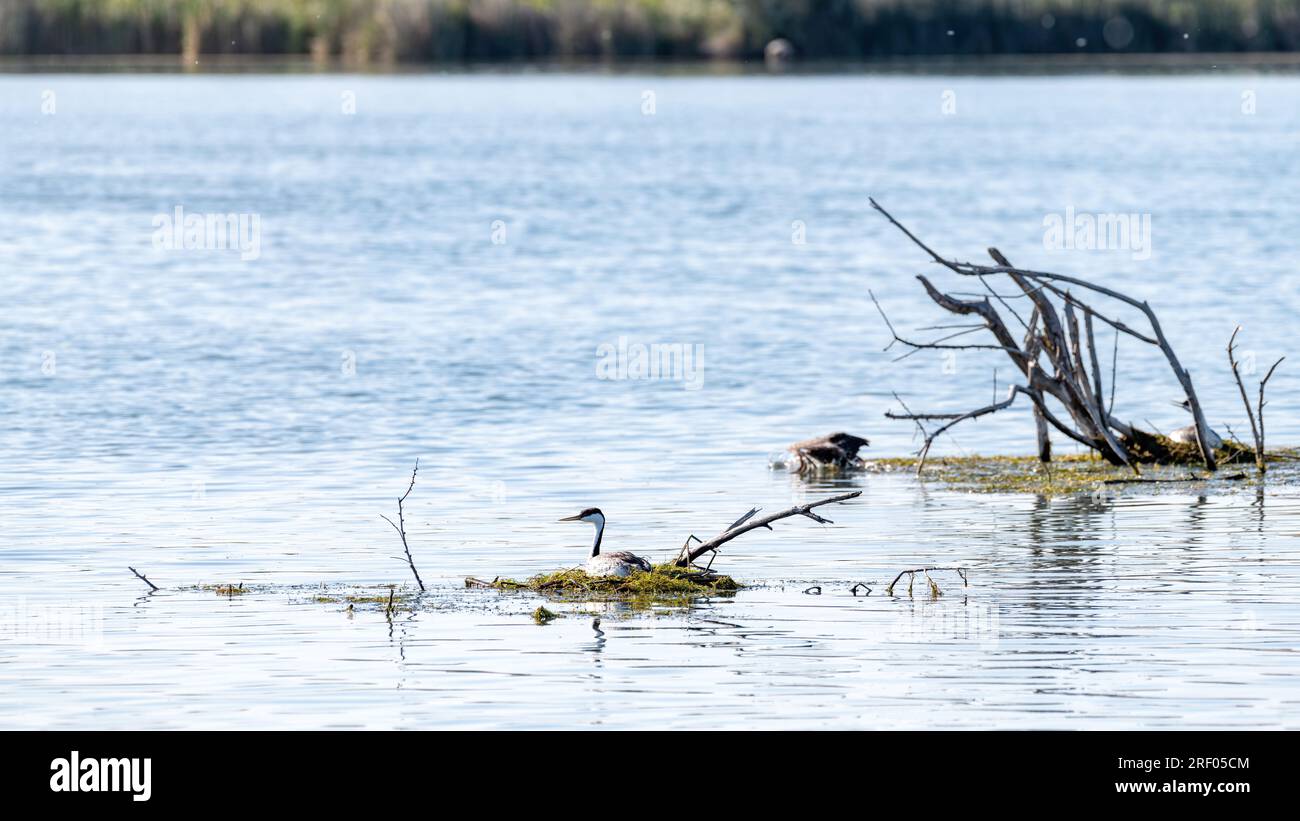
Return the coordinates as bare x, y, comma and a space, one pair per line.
597, 646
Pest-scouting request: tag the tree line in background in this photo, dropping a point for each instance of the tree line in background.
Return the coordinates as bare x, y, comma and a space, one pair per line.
360, 32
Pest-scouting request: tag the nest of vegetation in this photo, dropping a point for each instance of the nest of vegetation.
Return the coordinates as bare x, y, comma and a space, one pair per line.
664, 580
1155, 449
1085, 473
384, 599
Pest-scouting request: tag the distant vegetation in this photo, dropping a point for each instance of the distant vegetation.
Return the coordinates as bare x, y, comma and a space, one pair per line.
359, 32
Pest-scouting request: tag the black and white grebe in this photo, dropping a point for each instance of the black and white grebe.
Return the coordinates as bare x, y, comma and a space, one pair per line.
620, 563
1187, 435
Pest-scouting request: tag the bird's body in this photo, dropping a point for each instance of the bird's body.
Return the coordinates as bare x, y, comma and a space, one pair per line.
618, 563
836, 450
621, 563
1187, 436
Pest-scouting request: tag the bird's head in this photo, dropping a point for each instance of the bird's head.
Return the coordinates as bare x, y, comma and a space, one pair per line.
591, 514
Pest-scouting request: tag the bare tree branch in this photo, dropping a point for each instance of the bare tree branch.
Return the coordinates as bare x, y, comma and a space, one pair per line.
1073, 380
142, 578
936, 345
400, 526
1256, 416
687, 556
1262, 383
934, 588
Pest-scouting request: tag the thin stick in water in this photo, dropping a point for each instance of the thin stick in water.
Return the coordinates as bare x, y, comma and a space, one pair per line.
400, 526
142, 578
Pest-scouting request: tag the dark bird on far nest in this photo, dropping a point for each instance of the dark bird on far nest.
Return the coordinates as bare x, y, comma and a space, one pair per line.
835, 450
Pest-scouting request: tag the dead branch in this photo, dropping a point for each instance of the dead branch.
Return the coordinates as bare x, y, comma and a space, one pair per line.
975, 414
142, 578
687, 556
1262, 383
935, 345
1114, 366
1052, 355
1245, 400
1256, 416
934, 588
400, 525
1234, 477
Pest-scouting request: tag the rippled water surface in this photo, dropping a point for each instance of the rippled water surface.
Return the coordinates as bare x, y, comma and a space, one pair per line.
208, 419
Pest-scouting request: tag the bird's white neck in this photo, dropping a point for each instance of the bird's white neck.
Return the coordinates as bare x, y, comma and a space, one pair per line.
599, 521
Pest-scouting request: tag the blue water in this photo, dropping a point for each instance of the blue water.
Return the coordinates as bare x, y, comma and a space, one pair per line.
435, 276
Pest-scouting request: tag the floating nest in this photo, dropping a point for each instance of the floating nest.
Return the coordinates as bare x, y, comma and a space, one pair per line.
229, 590
1086, 473
386, 598
663, 581
1154, 449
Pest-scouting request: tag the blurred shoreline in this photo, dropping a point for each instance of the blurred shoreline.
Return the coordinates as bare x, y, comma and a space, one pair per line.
364, 33
977, 65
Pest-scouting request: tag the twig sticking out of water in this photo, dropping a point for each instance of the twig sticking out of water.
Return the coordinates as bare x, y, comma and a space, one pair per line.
142, 578
934, 588
1256, 417
400, 526
747, 523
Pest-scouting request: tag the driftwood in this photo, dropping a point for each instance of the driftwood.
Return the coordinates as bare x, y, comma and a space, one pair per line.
743, 525
1256, 415
1058, 356
926, 571
400, 526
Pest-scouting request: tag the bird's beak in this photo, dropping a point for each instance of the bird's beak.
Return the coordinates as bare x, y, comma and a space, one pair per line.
574, 518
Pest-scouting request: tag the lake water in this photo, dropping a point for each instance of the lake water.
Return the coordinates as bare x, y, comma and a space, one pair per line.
440, 260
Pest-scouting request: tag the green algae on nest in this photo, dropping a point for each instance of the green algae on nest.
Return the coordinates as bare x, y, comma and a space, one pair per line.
664, 589
382, 600
1078, 473
664, 580
226, 589
1156, 449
